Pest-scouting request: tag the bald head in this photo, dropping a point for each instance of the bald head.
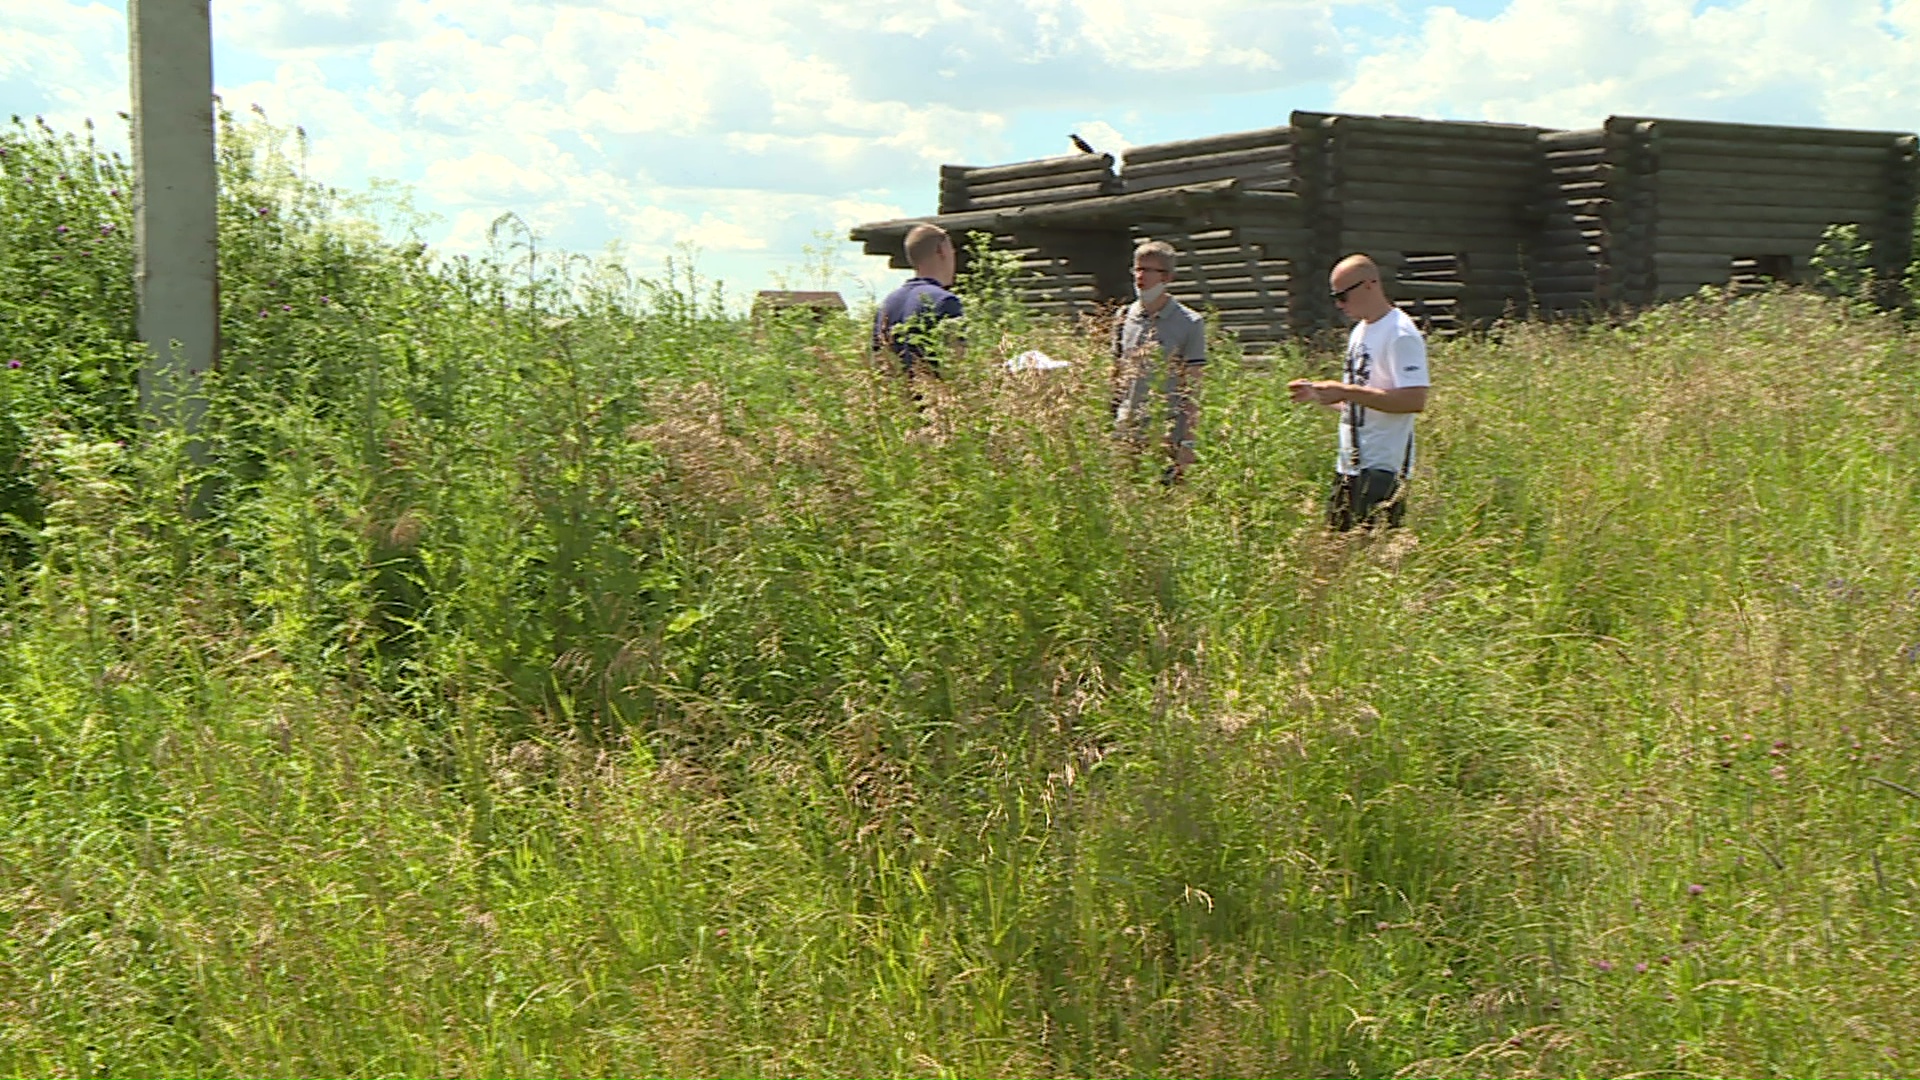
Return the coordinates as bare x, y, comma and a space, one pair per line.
1356, 265
1355, 288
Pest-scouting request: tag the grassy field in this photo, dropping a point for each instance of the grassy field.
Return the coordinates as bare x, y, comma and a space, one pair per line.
565, 677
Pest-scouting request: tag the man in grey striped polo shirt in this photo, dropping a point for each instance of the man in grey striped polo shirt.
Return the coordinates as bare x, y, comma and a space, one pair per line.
1159, 344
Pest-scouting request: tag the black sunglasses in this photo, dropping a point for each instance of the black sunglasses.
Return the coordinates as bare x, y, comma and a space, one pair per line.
1340, 295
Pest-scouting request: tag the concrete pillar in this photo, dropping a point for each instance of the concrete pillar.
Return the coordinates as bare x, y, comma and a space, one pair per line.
176, 268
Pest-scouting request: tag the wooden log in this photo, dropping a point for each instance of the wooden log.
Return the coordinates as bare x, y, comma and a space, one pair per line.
1365, 193
1577, 139
1773, 192
1746, 168
1562, 283
1832, 158
1371, 167
1040, 197
1274, 177
1383, 165
1751, 240
1260, 155
1020, 170
1684, 216
1575, 159
1041, 183
1768, 133
1414, 220
1409, 148
1279, 243
1462, 130
1379, 239
1215, 144
1671, 264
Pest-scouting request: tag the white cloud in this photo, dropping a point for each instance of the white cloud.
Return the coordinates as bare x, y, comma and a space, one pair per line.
68, 60
744, 126
1561, 63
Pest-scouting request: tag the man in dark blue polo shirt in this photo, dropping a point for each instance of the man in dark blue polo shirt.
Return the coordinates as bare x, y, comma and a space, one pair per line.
907, 317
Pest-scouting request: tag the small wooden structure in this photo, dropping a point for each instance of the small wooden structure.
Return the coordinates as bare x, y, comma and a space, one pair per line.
1643, 210
768, 301
1471, 221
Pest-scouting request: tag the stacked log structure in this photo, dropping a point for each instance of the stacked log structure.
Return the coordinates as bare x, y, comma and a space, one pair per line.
1446, 208
1690, 203
1469, 221
1056, 276
1567, 268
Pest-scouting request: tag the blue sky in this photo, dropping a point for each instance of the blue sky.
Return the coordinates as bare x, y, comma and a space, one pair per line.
748, 129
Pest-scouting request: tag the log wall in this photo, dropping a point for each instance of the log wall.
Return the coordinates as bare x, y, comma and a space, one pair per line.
1659, 208
1446, 208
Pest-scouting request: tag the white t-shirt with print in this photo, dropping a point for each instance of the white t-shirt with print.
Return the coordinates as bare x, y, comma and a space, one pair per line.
1387, 353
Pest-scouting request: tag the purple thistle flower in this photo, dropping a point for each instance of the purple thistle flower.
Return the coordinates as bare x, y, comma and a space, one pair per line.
1696, 889
62, 230
263, 313
13, 365
262, 211
113, 192
1603, 965
286, 307
107, 229
325, 301
1640, 968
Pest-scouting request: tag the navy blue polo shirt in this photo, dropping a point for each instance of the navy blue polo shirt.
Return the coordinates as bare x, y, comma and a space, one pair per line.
908, 314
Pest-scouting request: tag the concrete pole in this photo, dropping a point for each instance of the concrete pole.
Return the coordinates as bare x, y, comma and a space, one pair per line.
176, 268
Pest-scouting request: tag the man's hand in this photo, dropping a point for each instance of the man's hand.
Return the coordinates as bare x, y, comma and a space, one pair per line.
1316, 391
1404, 399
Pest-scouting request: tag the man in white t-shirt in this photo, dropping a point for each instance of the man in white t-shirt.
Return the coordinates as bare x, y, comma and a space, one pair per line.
1384, 385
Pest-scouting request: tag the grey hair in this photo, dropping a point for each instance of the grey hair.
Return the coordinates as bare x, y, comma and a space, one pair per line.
1159, 249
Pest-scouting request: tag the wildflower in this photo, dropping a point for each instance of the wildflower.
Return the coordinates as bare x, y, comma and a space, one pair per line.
107, 229
1696, 889
263, 313
1603, 965
286, 307
62, 230
13, 365
325, 301
261, 211
114, 192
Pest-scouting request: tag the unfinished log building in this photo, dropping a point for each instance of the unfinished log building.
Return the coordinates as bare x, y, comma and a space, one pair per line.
1469, 221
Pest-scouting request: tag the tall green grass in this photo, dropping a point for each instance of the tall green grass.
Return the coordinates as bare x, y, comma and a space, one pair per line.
566, 677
